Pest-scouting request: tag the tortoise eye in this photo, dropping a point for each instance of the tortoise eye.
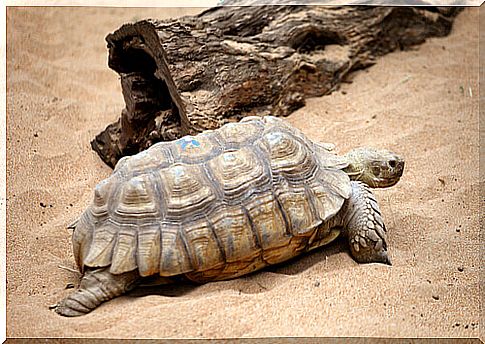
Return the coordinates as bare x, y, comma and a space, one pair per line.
392, 163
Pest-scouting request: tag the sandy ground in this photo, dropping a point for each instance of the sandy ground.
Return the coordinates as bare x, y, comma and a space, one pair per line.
421, 103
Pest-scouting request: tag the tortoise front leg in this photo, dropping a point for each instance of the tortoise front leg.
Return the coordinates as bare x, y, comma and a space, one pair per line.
364, 227
97, 286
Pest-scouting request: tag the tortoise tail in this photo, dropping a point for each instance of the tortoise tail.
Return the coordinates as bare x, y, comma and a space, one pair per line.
97, 286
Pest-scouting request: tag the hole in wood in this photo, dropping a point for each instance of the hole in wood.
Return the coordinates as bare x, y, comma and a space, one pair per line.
138, 61
312, 40
130, 56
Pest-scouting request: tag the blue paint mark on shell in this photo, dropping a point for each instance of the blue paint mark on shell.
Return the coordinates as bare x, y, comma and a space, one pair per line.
178, 171
274, 138
188, 142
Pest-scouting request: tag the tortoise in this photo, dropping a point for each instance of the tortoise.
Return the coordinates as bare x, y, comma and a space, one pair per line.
225, 203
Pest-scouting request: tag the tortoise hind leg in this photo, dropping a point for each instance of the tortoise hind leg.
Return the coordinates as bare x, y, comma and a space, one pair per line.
364, 227
97, 286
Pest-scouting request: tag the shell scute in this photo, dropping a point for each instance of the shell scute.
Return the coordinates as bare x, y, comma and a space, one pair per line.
240, 134
103, 193
186, 190
82, 238
232, 227
268, 221
288, 157
149, 249
101, 250
296, 204
174, 258
156, 157
239, 173
204, 250
137, 200
329, 190
124, 251
195, 149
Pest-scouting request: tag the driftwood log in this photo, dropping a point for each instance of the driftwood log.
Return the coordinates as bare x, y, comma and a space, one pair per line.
198, 72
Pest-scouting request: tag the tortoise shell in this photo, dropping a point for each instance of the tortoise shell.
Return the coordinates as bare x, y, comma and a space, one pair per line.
213, 206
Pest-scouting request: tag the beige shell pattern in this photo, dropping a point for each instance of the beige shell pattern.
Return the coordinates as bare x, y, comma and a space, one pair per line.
212, 206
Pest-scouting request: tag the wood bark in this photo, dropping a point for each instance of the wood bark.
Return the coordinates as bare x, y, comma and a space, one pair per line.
196, 73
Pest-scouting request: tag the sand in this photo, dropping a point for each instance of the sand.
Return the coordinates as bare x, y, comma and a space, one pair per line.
421, 103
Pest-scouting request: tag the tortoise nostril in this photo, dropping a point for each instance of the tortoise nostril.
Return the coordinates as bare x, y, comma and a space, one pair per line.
392, 163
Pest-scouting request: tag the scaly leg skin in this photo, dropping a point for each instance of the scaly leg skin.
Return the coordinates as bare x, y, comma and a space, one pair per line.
97, 286
364, 227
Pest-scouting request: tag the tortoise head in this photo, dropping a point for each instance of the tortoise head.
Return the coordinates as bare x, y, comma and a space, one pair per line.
378, 168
